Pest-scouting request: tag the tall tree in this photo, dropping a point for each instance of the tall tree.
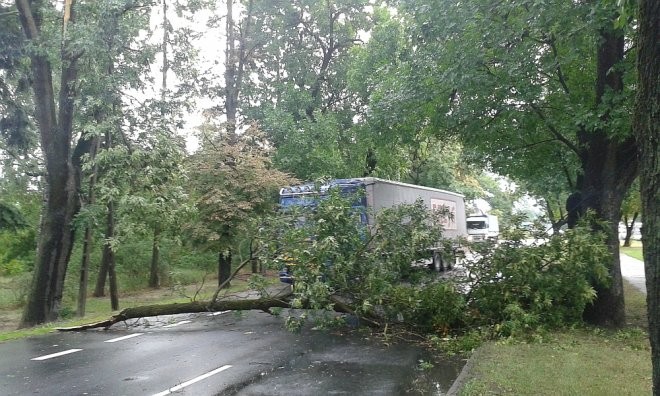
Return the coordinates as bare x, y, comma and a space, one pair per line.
54, 116
88, 238
542, 77
298, 90
58, 51
647, 129
234, 182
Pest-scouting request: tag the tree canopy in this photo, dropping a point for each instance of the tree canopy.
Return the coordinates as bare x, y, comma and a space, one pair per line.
438, 94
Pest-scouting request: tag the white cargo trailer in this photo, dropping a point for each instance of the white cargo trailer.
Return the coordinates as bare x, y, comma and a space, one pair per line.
380, 194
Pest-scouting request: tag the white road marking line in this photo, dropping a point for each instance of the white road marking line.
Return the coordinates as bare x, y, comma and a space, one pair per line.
192, 381
124, 337
218, 313
178, 323
53, 355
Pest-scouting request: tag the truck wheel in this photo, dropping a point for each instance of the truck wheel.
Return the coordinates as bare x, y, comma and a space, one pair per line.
438, 265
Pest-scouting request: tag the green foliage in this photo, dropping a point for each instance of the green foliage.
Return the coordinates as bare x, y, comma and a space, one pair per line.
632, 203
17, 251
11, 218
297, 91
331, 253
519, 288
14, 290
436, 308
508, 289
513, 82
234, 183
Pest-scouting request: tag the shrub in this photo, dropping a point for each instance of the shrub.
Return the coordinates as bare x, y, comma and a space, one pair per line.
435, 308
17, 251
517, 287
12, 267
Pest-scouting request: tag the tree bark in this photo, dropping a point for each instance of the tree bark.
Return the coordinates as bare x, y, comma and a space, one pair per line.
108, 258
630, 226
224, 268
263, 304
112, 278
609, 167
55, 123
88, 239
99, 289
108, 252
154, 280
646, 124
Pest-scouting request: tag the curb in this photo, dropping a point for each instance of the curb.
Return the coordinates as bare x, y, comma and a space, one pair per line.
462, 376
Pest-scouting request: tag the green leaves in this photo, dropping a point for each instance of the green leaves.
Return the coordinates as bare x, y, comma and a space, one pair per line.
11, 218
331, 253
234, 183
547, 284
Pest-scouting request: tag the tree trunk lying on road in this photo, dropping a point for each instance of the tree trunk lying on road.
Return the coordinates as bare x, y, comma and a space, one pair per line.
263, 304
278, 299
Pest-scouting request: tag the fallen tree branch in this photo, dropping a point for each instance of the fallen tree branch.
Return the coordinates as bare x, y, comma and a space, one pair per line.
279, 300
263, 304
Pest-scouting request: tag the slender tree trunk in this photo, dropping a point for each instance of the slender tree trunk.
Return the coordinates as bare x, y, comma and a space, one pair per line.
155, 258
646, 125
107, 268
110, 254
99, 289
88, 240
630, 227
224, 267
84, 271
626, 240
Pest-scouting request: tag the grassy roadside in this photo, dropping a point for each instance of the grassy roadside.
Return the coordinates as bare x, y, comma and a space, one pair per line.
98, 308
634, 252
583, 361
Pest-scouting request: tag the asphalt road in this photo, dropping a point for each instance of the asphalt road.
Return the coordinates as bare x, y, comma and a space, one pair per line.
225, 354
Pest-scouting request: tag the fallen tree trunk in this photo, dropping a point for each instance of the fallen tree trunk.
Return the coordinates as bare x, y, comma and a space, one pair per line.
263, 304
280, 300
275, 297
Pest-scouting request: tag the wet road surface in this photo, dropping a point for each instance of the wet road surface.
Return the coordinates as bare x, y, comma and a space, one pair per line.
230, 353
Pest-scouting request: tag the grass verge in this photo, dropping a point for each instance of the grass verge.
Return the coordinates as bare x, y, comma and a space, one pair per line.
585, 361
98, 308
634, 252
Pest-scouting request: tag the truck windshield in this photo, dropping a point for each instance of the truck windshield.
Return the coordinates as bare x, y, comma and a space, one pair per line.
311, 200
476, 225
307, 201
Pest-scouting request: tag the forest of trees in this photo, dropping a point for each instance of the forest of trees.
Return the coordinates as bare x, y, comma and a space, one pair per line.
99, 100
